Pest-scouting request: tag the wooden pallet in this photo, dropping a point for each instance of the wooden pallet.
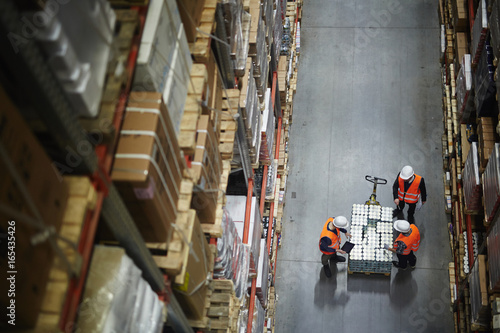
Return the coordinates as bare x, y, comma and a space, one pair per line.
82, 199
223, 310
291, 11
201, 49
192, 108
368, 273
229, 125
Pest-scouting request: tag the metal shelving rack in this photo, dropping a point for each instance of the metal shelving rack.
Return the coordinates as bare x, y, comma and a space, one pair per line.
60, 120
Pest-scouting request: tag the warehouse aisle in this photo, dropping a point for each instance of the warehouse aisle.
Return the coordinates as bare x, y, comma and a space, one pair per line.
368, 102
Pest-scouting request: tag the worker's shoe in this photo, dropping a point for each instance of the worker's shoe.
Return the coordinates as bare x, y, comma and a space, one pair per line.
411, 219
412, 267
328, 272
396, 264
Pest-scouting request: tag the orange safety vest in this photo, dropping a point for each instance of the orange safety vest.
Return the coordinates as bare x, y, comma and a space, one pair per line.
330, 234
413, 193
412, 242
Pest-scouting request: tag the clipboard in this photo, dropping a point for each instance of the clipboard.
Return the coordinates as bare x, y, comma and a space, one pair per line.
347, 247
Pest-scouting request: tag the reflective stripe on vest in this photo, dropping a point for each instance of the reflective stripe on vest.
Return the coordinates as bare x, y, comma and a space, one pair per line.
413, 193
330, 234
412, 242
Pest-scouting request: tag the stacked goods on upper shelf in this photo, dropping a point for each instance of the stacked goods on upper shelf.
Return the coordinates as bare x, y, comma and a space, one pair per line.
460, 10
491, 185
78, 60
480, 312
267, 132
487, 137
206, 171
484, 84
278, 28
236, 207
460, 46
258, 317
479, 31
148, 167
250, 110
116, 297
263, 273
196, 262
34, 199
472, 182
258, 48
494, 23
271, 179
232, 261
494, 255
191, 15
463, 88
238, 29
164, 61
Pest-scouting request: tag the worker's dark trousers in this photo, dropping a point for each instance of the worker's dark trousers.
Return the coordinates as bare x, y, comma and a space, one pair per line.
404, 260
325, 258
411, 208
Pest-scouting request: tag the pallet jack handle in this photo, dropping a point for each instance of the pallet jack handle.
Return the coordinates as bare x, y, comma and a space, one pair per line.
376, 180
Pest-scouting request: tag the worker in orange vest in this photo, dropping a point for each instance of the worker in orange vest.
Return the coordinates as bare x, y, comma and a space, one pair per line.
329, 243
410, 188
405, 245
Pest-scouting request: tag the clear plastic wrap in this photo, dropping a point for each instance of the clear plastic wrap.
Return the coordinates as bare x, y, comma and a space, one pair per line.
464, 84
262, 283
267, 131
117, 298
278, 30
484, 84
271, 179
479, 30
494, 255
472, 181
494, 22
238, 29
241, 278
258, 317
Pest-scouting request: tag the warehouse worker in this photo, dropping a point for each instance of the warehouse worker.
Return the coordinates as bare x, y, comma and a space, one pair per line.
405, 245
329, 243
410, 188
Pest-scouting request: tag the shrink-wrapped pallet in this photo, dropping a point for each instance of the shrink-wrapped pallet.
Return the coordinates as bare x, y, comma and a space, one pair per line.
471, 181
491, 184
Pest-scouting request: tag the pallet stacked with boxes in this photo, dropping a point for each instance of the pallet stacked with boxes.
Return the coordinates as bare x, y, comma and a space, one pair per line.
470, 34
181, 95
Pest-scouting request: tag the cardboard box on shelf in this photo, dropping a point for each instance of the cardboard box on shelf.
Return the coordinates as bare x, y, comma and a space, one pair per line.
207, 169
47, 192
148, 166
191, 291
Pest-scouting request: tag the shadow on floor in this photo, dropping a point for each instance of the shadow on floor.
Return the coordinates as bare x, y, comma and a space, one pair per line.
374, 283
403, 288
325, 290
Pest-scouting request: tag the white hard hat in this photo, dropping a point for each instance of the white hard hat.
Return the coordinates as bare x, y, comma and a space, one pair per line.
340, 222
406, 172
402, 226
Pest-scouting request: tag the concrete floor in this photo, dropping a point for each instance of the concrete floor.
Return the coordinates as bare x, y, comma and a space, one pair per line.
368, 102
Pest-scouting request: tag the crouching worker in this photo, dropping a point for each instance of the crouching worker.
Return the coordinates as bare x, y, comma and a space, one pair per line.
329, 243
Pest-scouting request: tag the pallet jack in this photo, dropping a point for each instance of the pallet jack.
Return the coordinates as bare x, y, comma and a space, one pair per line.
376, 181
